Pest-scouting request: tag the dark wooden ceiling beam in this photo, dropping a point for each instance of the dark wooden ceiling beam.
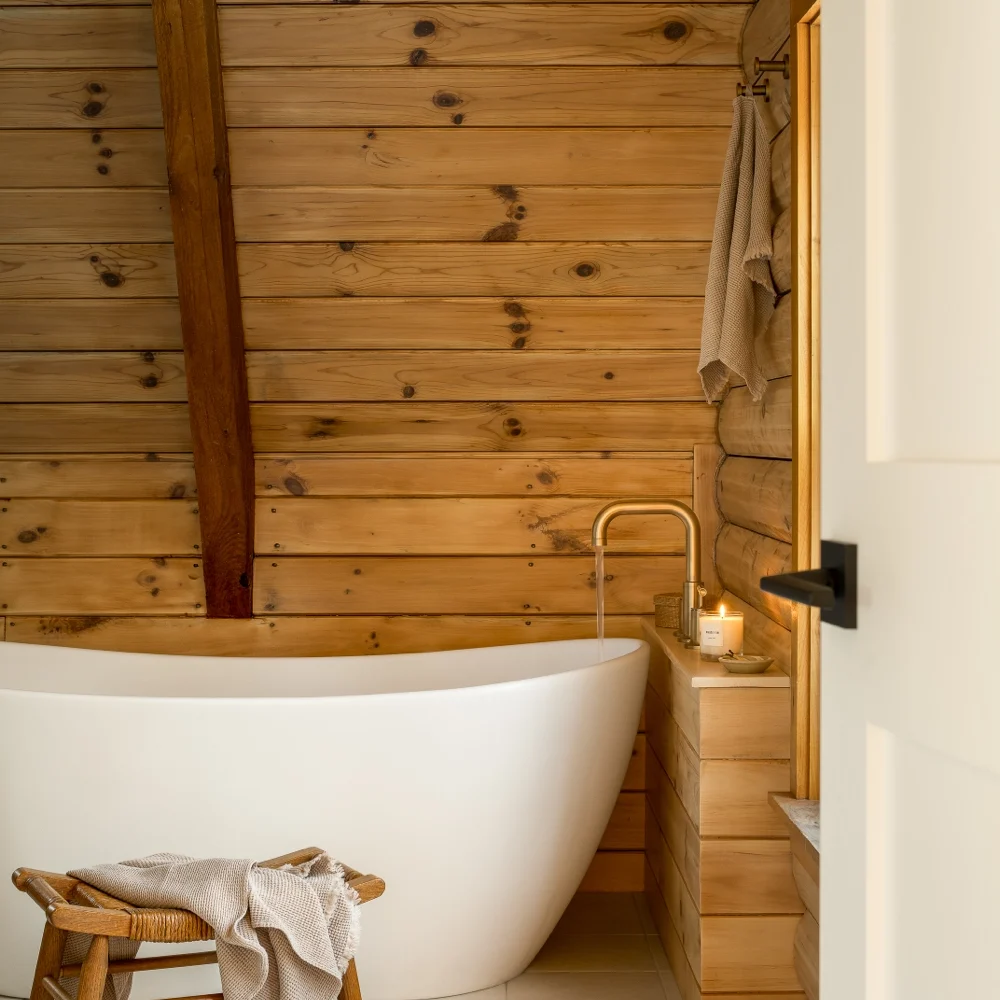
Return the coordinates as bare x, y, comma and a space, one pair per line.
187, 48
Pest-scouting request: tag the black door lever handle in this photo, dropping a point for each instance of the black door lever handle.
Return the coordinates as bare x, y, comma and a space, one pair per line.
815, 587
833, 587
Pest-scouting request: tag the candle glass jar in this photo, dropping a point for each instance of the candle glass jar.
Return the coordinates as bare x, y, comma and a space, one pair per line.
720, 632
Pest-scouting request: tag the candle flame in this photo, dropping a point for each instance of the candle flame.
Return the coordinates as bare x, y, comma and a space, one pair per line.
722, 611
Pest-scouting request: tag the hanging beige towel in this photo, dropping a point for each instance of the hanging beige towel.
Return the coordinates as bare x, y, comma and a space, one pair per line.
281, 934
739, 296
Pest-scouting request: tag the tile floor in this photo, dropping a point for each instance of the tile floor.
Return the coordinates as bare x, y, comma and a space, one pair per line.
604, 948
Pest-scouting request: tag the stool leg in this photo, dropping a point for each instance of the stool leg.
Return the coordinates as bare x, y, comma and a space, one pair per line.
50, 956
94, 973
351, 989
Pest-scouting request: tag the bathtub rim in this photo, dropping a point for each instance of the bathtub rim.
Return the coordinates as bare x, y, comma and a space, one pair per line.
575, 670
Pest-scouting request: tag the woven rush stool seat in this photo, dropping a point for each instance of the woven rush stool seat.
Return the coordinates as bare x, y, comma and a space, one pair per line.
72, 906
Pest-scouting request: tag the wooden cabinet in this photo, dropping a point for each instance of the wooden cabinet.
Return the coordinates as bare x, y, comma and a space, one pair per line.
719, 876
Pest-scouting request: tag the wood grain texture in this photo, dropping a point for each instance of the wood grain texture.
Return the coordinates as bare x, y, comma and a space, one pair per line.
748, 953
614, 871
745, 877
806, 954
484, 95
313, 635
97, 270
625, 828
773, 346
282, 156
414, 585
743, 557
87, 377
777, 111
294, 269
781, 172
126, 586
73, 37
127, 215
744, 723
29, 428
188, 55
781, 261
756, 493
80, 98
453, 526
94, 477
556, 427
77, 158
501, 213
706, 462
472, 474
90, 324
758, 430
765, 32
471, 34
373, 376
762, 634
526, 323
99, 527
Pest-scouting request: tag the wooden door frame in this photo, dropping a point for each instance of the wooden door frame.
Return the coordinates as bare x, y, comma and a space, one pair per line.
805, 19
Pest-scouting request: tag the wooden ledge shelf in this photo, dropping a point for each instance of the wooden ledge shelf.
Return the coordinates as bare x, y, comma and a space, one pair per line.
695, 672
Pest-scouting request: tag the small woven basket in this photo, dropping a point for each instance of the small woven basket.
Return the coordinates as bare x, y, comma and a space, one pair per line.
667, 608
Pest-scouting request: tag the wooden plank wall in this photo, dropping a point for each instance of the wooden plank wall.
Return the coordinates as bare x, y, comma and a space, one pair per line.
473, 245
754, 482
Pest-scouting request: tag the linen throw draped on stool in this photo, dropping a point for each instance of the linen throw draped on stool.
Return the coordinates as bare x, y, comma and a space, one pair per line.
739, 295
281, 934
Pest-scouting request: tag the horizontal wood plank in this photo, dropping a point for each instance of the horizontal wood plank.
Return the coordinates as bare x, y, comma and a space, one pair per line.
511, 156
313, 635
471, 34
482, 95
95, 477
87, 377
526, 323
77, 158
46, 271
625, 828
99, 527
472, 474
743, 557
125, 586
295, 269
614, 871
89, 324
750, 953
88, 427
756, 493
502, 213
124, 215
413, 585
758, 430
81, 36
80, 98
741, 2
456, 526
374, 376
414, 426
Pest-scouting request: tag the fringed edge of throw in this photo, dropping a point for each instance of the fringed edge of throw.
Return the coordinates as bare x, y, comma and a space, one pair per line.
354, 931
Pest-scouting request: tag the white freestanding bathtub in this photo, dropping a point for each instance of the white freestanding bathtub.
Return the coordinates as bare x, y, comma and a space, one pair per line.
477, 783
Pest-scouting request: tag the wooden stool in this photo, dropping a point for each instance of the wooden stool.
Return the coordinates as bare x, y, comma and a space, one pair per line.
73, 906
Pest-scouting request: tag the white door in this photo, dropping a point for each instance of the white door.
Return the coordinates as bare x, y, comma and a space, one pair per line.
911, 473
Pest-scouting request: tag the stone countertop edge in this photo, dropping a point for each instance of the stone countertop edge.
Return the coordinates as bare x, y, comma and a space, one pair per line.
802, 814
707, 673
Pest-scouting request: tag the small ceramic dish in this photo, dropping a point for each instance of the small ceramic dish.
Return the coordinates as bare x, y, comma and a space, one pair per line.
740, 664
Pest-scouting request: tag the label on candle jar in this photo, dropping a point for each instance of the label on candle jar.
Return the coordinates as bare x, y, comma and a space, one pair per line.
711, 633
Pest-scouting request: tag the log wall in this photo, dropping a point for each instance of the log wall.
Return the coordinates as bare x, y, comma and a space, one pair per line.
754, 482
473, 244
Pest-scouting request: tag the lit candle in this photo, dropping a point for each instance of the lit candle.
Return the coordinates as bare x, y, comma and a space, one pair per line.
720, 632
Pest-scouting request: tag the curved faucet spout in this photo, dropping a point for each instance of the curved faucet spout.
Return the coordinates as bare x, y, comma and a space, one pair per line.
693, 589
